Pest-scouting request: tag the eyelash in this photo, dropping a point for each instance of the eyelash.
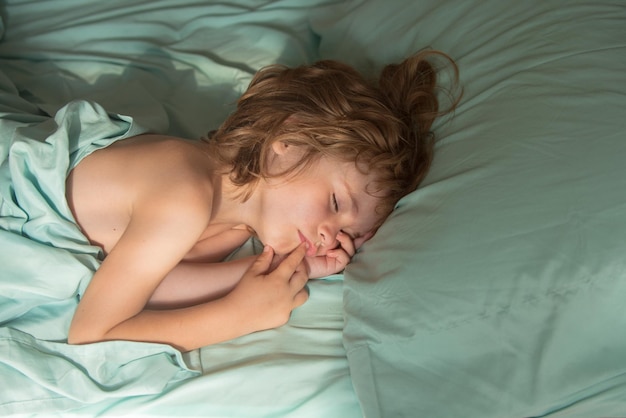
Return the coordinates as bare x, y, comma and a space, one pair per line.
335, 204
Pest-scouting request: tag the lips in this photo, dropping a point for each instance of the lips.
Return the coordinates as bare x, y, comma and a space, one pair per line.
311, 250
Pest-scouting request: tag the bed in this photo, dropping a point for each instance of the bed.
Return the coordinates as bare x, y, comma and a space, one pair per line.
497, 289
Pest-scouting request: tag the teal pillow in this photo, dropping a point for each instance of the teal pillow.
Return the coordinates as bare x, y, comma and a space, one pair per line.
498, 288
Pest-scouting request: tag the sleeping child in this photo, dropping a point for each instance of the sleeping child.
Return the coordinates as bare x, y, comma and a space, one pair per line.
311, 162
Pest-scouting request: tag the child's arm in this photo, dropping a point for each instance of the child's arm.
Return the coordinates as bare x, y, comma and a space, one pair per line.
158, 236
191, 283
260, 301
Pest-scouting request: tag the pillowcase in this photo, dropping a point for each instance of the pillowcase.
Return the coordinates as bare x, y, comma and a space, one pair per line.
497, 288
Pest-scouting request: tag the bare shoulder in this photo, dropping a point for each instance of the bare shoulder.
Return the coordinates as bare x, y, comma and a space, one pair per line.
145, 161
151, 177
165, 172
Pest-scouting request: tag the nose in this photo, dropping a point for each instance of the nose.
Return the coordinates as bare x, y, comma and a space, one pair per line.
328, 237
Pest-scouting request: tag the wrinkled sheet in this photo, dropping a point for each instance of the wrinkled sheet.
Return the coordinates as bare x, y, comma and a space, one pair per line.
73, 79
298, 370
47, 262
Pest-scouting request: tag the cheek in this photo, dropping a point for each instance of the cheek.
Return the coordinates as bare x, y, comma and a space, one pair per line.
300, 206
288, 210
279, 230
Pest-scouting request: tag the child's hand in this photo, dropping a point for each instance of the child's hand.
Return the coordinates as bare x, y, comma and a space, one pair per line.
267, 294
337, 259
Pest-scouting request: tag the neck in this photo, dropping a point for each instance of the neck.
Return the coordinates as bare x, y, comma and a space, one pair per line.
228, 205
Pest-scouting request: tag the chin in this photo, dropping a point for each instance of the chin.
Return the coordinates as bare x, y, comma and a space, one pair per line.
283, 251
281, 244
284, 248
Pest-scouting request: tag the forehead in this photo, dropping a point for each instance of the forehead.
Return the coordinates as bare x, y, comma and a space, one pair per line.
357, 179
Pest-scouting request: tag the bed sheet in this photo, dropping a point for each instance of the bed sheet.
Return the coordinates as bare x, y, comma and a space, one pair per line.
127, 67
494, 290
176, 66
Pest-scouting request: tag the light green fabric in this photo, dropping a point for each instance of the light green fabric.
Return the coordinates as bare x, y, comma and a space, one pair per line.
174, 67
498, 288
299, 370
46, 263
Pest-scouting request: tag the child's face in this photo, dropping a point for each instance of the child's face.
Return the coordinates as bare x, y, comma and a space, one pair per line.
315, 206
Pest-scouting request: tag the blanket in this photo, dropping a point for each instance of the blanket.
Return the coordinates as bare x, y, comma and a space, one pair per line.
46, 263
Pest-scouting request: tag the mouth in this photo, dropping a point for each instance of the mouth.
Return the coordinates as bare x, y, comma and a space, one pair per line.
311, 250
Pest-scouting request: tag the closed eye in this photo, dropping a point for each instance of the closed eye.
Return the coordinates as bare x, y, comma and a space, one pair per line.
335, 204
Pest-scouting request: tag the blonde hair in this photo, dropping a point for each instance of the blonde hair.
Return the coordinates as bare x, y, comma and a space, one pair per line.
329, 109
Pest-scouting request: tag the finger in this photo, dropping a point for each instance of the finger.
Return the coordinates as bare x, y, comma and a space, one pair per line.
263, 261
301, 297
299, 278
304, 266
361, 240
346, 243
341, 257
276, 260
293, 260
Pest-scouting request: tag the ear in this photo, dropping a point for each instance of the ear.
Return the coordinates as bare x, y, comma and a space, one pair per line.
277, 160
283, 157
280, 147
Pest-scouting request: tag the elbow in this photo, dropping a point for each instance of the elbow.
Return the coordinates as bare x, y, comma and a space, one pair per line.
78, 336
86, 328
74, 339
